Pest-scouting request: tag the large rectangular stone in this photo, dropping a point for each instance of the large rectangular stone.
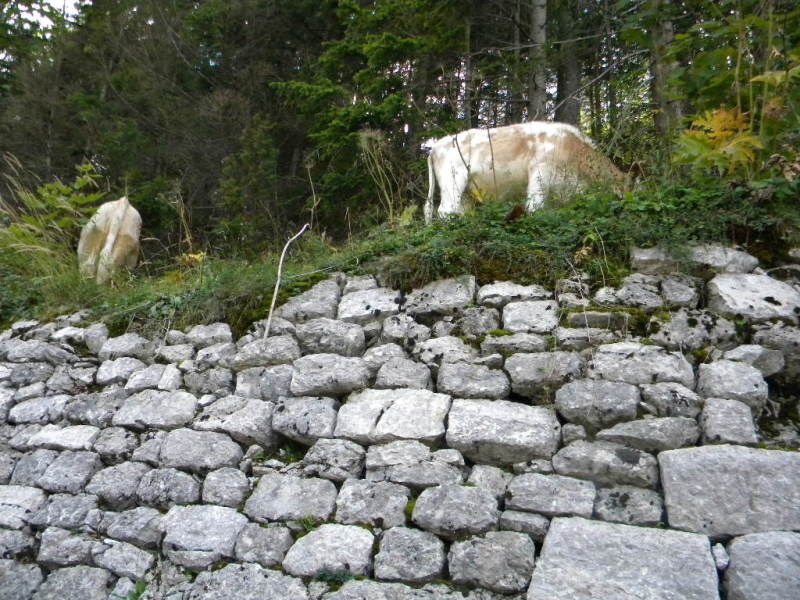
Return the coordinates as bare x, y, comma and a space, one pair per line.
731, 490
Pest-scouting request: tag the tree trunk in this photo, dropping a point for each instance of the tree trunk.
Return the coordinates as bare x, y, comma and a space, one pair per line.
667, 109
517, 100
568, 101
537, 84
468, 108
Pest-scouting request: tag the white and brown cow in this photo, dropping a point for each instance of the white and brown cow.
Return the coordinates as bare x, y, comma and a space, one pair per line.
513, 161
110, 240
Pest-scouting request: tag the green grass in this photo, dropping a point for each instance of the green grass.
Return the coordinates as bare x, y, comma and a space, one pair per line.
594, 234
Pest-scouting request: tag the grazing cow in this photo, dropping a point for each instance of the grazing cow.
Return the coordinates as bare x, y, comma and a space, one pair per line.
526, 159
109, 240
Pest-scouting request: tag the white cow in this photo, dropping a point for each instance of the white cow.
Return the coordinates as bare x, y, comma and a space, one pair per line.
516, 160
110, 240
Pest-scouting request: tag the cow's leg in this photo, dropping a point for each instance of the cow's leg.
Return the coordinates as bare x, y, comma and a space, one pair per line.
539, 179
452, 187
428, 206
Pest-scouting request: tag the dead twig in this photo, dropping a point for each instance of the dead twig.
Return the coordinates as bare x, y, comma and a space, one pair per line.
278, 280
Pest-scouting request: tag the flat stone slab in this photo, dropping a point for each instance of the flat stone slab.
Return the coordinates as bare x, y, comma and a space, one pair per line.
363, 306
249, 581
443, 297
74, 437
328, 375
635, 363
764, 566
551, 495
602, 561
283, 497
199, 451
375, 416
409, 555
502, 432
607, 463
501, 561
753, 297
332, 549
450, 511
156, 409
531, 316
198, 536
731, 490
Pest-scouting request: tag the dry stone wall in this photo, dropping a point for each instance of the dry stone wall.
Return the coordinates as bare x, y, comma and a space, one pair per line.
502, 441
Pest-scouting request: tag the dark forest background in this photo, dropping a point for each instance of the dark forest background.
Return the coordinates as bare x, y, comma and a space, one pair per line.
230, 122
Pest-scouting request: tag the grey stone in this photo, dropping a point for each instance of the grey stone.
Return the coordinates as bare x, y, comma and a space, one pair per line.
451, 511
551, 495
199, 451
786, 339
123, 559
680, 291
74, 437
443, 297
156, 409
604, 561
357, 283
175, 354
531, 316
501, 561
403, 372
266, 352
38, 410
365, 306
96, 409
94, 336
377, 503
251, 582
571, 433
263, 545
164, 488
319, 336
115, 444
721, 259
331, 548
70, 472
635, 363
411, 463
640, 291
727, 422
117, 485
328, 375
436, 351
320, 301
60, 548
143, 378
31, 466
580, 338
500, 293
336, 460
404, 331
27, 351
764, 566
721, 557
217, 355
246, 420
733, 380
534, 525
65, 511
30, 391
532, 374
284, 497
140, 526
507, 345
149, 450
202, 336
17, 543
492, 479
607, 464
502, 432
226, 487
756, 298
118, 370
476, 322
731, 490
375, 416
129, 344
198, 536
18, 504
217, 381
653, 435
472, 381
688, 330
86, 583
629, 505
305, 419
766, 360
597, 404
18, 581
266, 383
671, 400
409, 555
8, 461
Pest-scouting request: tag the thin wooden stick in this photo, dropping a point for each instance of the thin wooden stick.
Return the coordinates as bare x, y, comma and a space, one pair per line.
278, 281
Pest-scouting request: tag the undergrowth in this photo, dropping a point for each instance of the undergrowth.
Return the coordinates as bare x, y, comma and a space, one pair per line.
594, 233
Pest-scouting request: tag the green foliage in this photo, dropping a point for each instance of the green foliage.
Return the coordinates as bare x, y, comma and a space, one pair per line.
335, 579
307, 525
